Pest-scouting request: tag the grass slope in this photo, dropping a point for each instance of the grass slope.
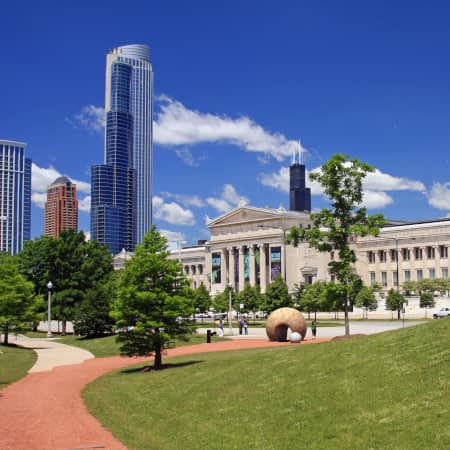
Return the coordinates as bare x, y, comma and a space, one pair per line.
15, 362
384, 391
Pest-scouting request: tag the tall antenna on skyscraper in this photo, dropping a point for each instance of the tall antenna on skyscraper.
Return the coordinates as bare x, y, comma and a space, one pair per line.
301, 153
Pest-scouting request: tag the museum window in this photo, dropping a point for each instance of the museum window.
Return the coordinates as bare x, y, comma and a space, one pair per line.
407, 275
382, 255
432, 274
372, 279
445, 272
419, 275
406, 254
430, 252
200, 269
395, 278
393, 254
186, 270
371, 257
443, 251
417, 253
384, 279
193, 269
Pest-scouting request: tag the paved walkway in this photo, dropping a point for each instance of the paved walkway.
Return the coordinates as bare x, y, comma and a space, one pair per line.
45, 411
51, 353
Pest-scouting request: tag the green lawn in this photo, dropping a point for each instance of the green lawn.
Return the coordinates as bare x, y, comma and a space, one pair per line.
14, 363
107, 346
389, 390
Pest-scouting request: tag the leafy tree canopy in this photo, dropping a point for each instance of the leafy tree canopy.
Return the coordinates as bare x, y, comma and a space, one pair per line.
277, 295
17, 299
151, 303
341, 179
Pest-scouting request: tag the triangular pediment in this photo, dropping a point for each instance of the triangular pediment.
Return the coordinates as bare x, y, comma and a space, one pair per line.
246, 214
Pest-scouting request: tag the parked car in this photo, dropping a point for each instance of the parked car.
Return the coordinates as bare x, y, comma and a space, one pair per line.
443, 312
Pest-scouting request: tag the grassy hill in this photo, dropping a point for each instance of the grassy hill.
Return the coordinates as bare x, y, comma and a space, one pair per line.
384, 391
15, 363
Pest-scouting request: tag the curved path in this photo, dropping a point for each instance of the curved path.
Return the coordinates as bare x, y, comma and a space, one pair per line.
45, 411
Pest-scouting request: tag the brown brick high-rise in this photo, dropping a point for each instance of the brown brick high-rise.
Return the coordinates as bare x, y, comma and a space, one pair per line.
61, 207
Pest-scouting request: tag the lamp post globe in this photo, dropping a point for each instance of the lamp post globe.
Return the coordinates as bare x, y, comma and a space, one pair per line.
49, 309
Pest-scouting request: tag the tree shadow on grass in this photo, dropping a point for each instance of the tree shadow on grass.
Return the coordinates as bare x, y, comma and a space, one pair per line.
163, 367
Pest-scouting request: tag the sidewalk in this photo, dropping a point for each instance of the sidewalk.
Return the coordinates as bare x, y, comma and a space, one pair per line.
51, 353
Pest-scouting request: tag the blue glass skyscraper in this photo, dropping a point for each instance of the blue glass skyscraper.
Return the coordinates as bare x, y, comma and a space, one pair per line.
122, 186
15, 197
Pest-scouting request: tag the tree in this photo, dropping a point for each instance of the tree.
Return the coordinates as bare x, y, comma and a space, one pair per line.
92, 317
201, 298
427, 301
366, 299
313, 297
341, 179
17, 298
394, 302
277, 295
251, 298
150, 304
75, 267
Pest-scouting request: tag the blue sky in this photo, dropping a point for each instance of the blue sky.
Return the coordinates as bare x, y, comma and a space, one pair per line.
236, 86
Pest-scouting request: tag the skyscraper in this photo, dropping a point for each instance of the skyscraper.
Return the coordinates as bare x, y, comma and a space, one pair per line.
15, 196
299, 194
121, 208
61, 207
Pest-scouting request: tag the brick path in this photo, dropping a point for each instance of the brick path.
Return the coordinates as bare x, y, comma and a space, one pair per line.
45, 411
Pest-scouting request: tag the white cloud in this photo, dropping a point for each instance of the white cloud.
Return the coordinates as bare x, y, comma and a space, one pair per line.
187, 157
375, 185
39, 199
172, 212
379, 181
178, 125
90, 117
42, 178
190, 200
84, 204
228, 200
376, 199
439, 196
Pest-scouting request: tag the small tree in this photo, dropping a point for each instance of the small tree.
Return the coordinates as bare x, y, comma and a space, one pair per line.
151, 303
341, 179
17, 298
366, 299
251, 298
277, 295
93, 315
313, 297
427, 301
394, 302
221, 300
201, 298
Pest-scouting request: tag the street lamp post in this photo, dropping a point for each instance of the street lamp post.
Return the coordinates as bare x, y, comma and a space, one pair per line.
49, 309
230, 286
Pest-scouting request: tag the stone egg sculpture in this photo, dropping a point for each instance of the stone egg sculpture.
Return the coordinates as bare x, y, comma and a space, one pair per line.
283, 318
295, 337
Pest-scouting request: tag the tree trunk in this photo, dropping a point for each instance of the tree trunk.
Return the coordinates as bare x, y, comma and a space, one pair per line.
398, 314
347, 323
5, 338
63, 328
158, 352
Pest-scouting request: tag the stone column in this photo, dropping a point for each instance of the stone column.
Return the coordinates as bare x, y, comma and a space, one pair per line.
262, 267
223, 268
241, 269
231, 267
252, 266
